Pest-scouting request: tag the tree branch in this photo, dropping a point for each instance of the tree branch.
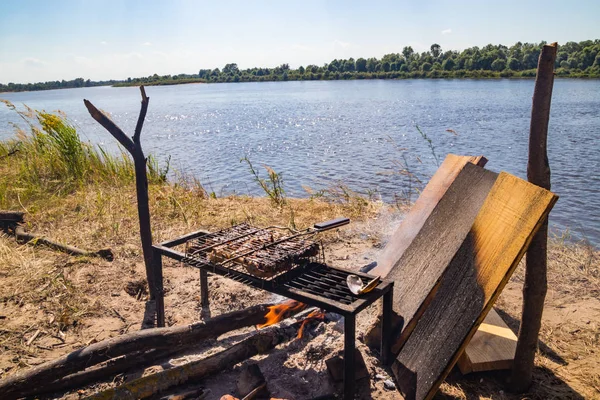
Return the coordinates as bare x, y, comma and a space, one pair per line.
142, 116
110, 126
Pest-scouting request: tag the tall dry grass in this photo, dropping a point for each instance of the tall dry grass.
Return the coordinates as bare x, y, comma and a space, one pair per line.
47, 157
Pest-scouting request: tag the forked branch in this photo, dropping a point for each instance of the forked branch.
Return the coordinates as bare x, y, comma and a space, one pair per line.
134, 147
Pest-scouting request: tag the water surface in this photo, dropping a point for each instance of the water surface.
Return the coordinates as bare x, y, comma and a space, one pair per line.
356, 132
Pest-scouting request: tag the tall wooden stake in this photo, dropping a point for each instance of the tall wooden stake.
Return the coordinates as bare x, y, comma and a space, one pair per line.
134, 147
538, 173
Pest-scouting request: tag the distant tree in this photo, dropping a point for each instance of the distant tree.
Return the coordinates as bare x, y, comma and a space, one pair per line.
372, 64
361, 65
301, 69
448, 64
231, 69
514, 64
408, 52
349, 65
436, 50
426, 66
498, 64
436, 66
385, 66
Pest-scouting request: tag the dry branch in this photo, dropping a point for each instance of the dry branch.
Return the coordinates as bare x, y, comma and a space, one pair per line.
155, 383
538, 173
46, 376
32, 238
134, 147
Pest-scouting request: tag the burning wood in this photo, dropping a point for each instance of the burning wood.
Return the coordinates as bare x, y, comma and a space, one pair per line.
279, 312
316, 315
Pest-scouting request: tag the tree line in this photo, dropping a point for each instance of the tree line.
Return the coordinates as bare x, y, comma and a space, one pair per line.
580, 60
75, 83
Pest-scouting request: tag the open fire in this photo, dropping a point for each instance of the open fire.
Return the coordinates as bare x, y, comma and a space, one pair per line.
316, 315
279, 312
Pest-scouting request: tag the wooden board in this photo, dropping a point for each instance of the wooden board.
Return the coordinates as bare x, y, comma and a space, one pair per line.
491, 348
504, 227
419, 269
420, 211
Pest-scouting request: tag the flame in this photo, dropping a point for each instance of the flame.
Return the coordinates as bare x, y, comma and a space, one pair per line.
316, 315
281, 311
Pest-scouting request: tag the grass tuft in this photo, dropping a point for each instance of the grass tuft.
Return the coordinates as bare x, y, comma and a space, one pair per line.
52, 159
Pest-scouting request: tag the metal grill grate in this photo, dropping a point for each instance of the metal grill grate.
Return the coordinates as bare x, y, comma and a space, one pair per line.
261, 252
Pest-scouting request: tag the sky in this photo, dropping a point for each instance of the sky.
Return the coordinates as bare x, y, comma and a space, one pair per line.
117, 39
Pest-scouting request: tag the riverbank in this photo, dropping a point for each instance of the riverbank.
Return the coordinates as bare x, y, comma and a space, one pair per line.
325, 76
74, 301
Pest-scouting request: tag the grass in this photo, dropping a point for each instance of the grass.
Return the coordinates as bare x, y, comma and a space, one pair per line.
52, 159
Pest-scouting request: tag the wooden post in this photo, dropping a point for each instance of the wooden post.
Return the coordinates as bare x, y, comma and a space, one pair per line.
134, 147
538, 173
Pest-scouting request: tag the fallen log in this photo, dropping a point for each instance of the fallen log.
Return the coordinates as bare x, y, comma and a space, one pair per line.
26, 237
45, 377
152, 384
105, 370
16, 217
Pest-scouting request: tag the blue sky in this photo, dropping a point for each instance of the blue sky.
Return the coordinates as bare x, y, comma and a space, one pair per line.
50, 40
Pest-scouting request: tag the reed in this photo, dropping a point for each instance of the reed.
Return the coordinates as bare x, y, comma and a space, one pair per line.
52, 159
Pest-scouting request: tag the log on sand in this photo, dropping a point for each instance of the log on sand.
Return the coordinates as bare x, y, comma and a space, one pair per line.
44, 377
152, 384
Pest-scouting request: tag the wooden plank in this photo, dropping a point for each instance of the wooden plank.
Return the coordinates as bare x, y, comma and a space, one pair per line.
492, 347
419, 269
504, 227
420, 211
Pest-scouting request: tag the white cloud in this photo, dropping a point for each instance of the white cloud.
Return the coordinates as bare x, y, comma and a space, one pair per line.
340, 43
103, 43
147, 44
447, 31
33, 62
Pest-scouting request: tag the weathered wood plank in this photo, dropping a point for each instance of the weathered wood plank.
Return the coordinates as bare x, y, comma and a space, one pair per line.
420, 211
504, 227
491, 348
418, 271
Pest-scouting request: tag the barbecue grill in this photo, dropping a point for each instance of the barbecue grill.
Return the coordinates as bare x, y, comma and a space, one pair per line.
283, 261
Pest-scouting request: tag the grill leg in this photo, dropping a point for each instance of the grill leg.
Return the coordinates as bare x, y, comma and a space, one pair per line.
349, 356
159, 292
386, 328
204, 293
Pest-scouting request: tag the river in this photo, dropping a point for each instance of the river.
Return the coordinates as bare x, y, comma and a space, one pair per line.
356, 132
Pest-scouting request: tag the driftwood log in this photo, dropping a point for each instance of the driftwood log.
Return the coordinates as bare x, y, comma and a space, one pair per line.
46, 377
538, 173
106, 370
27, 237
152, 384
134, 147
